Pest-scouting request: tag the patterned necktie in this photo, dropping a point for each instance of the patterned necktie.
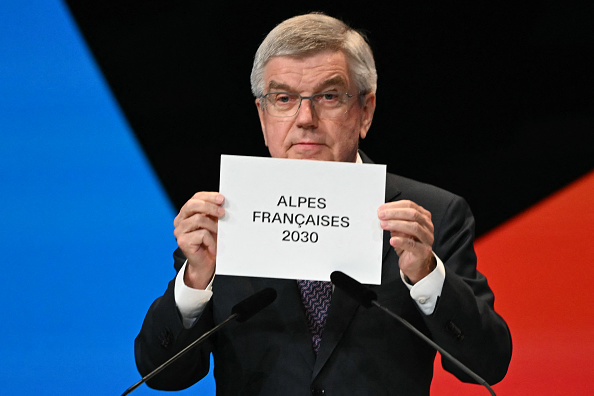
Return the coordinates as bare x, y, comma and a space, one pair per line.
316, 297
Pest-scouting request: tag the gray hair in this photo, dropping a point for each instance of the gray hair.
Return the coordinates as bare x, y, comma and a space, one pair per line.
309, 34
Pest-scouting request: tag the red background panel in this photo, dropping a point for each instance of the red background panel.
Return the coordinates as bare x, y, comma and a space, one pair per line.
541, 267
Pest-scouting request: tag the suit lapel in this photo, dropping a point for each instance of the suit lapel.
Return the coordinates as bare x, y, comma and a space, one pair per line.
343, 307
290, 304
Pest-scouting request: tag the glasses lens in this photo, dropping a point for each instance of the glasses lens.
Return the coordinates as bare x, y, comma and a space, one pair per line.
330, 104
283, 104
326, 104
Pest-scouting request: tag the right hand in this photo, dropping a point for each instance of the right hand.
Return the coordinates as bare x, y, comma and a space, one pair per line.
196, 228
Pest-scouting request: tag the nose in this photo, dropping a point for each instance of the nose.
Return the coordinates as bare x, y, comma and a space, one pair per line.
306, 116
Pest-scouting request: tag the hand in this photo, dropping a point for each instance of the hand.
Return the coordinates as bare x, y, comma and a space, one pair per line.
196, 228
411, 232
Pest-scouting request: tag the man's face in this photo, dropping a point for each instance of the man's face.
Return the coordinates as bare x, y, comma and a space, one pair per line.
305, 135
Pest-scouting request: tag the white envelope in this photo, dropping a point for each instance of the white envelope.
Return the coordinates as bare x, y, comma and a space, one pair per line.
300, 219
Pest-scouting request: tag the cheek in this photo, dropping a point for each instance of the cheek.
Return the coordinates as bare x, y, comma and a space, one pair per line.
275, 134
345, 138
346, 132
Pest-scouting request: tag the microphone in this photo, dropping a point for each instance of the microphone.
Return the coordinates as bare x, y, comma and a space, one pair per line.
363, 295
247, 308
367, 297
241, 312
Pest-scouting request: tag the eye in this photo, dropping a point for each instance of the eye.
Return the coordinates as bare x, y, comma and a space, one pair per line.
284, 98
327, 97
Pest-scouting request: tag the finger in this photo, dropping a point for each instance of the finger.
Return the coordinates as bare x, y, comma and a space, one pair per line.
421, 217
404, 210
208, 203
210, 196
208, 241
204, 202
196, 222
396, 245
414, 222
405, 244
409, 229
198, 240
403, 203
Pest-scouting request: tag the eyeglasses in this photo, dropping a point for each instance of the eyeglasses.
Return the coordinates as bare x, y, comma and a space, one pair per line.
326, 104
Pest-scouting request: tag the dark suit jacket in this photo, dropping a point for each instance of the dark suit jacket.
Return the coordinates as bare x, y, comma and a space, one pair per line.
363, 351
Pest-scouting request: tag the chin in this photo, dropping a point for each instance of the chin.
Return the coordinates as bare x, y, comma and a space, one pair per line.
314, 153
311, 157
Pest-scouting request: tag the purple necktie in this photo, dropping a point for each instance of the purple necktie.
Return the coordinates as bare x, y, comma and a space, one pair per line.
316, 297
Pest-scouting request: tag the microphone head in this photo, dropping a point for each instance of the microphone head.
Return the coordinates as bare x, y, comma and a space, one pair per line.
362, 294
253, 304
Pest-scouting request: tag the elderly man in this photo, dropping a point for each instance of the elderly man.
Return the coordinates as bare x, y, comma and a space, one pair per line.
314, 80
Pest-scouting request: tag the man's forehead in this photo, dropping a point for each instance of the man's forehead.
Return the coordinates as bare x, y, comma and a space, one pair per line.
314, 71
336, 81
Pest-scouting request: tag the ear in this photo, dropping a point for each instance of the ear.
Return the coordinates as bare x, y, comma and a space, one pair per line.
262, 123
367, 110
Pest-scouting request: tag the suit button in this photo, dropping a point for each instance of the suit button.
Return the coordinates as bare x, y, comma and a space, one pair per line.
166, 338
317, 392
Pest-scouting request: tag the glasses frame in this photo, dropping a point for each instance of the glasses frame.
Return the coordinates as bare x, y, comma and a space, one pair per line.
265, 101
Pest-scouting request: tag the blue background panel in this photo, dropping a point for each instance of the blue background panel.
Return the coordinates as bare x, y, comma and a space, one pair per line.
86, 229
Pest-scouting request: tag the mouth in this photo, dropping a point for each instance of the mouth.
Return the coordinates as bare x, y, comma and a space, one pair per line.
308, 150
307, 144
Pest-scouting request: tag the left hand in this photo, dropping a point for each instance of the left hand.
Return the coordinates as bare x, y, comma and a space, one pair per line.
411, 231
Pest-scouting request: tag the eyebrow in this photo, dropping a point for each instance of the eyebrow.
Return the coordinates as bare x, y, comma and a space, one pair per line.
337, 80
276, 85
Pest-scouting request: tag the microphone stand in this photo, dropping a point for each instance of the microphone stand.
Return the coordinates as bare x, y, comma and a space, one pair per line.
429, 341
367, 297
241, 311
180, 353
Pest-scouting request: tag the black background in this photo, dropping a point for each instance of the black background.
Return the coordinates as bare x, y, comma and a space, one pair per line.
491, 100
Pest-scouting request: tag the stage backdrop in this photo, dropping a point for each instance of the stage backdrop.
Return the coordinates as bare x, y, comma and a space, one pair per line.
86, 228
87, 202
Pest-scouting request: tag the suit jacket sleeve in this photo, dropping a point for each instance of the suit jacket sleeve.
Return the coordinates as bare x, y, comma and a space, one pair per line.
163, 335
464, 322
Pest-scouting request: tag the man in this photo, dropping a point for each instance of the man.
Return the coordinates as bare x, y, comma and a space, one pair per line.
314, 81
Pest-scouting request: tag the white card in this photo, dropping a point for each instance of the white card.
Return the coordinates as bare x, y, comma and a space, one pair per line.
300, 219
